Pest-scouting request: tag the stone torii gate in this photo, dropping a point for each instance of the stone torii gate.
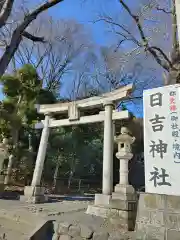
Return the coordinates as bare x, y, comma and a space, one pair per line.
74, 110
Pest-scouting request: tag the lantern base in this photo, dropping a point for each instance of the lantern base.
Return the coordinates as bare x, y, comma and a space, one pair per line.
124, 192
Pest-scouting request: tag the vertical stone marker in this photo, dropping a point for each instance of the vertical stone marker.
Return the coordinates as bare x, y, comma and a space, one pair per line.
162, 140
158, 215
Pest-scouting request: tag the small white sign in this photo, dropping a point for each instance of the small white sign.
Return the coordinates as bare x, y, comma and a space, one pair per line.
162, 140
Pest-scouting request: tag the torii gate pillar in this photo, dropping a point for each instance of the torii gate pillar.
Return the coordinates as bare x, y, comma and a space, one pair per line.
107, 181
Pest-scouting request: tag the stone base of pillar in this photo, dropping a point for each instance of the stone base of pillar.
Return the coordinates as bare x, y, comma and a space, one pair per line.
102, 199
120, 207
100, 207
34, 195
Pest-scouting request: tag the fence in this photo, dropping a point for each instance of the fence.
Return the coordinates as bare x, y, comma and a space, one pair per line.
78, 185
62, 186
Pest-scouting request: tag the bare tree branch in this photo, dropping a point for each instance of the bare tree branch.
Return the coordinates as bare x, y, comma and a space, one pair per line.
163, 54
60, 55
18, 32
33, 38
164, 10
5, 11
165, 63
1, 4
110, 21
159, 60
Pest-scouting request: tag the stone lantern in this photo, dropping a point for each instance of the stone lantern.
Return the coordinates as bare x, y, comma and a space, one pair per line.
124, 154
124, 197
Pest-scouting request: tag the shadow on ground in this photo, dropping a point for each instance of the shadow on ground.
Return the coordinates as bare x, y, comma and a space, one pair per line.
15, 195
10, 195
70, 198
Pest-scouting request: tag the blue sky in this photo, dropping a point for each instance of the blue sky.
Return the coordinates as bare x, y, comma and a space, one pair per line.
86, 12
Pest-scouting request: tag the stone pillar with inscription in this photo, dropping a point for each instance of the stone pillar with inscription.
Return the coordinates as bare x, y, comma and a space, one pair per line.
35, 192
158, 213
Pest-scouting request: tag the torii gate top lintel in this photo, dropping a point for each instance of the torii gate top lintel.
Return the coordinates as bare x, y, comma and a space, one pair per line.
87, 103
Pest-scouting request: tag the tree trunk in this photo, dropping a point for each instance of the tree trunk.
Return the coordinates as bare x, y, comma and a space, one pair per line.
70, 179
9, 170
79, 185
10, 51
18, 33
72, 171
174, 75
15, 136
55, 175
